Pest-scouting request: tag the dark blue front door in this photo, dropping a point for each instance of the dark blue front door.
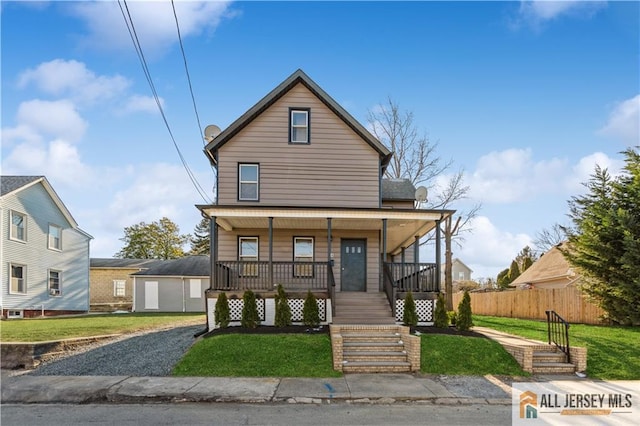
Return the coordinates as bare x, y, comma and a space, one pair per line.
353, 257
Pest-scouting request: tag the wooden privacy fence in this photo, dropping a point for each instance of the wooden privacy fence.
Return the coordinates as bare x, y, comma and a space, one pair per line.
569, 302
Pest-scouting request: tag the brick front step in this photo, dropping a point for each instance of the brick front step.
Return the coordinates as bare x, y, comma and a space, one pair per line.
549, 357
375, 367
373, 346
553, 368
377, 356
371, 337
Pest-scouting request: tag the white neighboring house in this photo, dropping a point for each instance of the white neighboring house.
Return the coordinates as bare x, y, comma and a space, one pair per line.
44, 255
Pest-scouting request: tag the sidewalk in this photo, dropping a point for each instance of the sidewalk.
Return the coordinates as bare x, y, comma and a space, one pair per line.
353, 388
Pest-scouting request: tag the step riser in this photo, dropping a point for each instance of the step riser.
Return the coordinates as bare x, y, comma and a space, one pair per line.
375, 369
549, 358
395, 358
374, 348
555, 370
393, 339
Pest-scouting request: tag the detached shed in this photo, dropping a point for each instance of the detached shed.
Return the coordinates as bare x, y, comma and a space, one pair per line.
176, 285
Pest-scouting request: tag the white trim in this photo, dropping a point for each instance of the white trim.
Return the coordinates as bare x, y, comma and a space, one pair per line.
241, 182
24, 216
49, 246
300, 126
24, 278
116, 284
231, 212
54, 292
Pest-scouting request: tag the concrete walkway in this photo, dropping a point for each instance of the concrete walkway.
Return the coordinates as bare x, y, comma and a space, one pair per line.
355, 388
507, 339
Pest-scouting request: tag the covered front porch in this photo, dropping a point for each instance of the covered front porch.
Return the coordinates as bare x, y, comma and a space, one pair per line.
351, 250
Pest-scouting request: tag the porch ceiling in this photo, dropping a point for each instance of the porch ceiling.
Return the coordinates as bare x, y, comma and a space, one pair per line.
402, 225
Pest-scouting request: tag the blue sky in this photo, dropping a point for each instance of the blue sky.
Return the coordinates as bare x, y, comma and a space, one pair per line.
525, 97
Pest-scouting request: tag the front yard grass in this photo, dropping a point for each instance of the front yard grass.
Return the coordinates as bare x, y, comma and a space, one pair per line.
43, 329
612, 351
259, 355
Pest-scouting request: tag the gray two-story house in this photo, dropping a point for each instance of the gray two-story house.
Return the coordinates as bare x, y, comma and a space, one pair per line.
302, 202
44, 255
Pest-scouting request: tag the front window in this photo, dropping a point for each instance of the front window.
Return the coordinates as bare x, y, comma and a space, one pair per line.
18, 282
18, 226
248, 182
55, 237
119, 288
54, 283
303, 252
299, 132
248, 256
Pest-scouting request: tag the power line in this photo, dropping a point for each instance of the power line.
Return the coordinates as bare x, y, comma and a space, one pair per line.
136, 42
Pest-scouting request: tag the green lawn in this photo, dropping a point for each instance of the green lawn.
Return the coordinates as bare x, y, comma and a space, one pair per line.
42, 329
259, 355
612, 351
462, 355
304, 355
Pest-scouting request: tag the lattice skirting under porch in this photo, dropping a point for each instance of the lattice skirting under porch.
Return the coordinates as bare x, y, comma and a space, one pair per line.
424, 309
266, 310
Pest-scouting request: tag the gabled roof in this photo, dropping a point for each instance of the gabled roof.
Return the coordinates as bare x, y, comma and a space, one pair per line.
551, 266
13, 184
97, 262
297, 77
398, 189
462, 263
189, 266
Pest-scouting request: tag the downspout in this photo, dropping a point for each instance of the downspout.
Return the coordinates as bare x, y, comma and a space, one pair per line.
438, 255
133, 295
184, 299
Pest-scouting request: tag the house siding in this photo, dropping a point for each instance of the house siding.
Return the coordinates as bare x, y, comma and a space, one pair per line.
173, 294
72, 260
337, 169
283, 248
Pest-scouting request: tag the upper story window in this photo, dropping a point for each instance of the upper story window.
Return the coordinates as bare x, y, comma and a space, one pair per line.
18, 226
55, 289
299, 125
55, 237
18, 279
248, 182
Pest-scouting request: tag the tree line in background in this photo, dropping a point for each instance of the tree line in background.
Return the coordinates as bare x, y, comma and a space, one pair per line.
162, 240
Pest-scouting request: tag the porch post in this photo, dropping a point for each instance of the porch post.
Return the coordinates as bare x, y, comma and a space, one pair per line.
270, 253
416, 261
384, 253
438, 255
328, 241
213, 252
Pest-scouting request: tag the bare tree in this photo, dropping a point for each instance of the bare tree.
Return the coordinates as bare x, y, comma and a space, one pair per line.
415, 158
550, 237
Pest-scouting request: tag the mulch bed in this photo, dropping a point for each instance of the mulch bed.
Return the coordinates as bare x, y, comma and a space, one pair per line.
302, 329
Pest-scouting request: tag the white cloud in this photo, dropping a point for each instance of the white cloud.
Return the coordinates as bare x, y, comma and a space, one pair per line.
512, 175
624, 122
59, 119
153, 21
72, 79
584, 168
139, 103
488, 250
534, 13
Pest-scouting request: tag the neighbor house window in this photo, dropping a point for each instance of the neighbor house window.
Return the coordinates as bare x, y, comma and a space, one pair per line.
248, 182
299, 128
461, 275
119, 288
55, 237
303, 252
18, 279
248, 252
18, 226
54, 283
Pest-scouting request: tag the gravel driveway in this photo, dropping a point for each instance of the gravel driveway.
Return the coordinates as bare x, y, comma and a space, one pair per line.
148, 354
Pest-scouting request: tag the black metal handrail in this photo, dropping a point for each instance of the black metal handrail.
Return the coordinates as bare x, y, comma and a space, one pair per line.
389, 287
414, 277
558, 332
332, 288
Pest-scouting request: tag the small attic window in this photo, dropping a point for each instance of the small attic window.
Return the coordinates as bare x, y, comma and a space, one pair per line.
299, 125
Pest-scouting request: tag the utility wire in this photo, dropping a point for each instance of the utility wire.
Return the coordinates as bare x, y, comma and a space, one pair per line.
136, 42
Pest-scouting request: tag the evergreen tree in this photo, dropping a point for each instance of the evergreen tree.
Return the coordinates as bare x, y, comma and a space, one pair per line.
503, 279
283, 310
441, 318
464, 320
526, 264
525, 258
200, 239
514, 271
222, 314
250, 318
410, 316
310, 313
604, 244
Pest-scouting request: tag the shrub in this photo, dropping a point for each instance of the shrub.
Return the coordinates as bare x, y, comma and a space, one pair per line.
283, 311
250, 318
409, 316
464, 321
310, 314
453, 317
440, 318
222, 315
